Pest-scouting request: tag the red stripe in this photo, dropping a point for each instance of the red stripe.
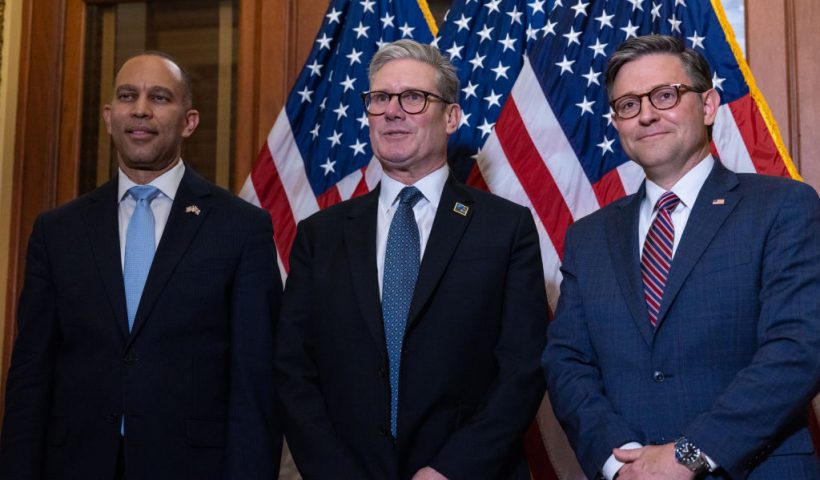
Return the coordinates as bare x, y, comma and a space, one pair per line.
329, 198
759, 142
361, 187
609, 188
534, 176
537, 456
272, 197
476, 179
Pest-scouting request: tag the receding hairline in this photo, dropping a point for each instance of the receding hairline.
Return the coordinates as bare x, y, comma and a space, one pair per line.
182, 76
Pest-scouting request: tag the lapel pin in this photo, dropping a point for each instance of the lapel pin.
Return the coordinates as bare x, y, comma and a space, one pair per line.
192, 209
461, 209
718, 201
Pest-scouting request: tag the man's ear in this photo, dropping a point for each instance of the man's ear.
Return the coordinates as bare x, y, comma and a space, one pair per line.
711, 102
453, 117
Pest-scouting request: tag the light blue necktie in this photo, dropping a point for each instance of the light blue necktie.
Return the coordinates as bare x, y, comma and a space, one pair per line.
401, 268
139, 248
139, 253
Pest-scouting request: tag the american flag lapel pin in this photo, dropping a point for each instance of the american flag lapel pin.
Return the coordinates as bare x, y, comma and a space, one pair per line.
192, 209
718, 201
461, 209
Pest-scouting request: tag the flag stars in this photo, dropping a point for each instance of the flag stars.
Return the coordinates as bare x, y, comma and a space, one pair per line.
492, 5
367, 5
485, 33
580, 8
387, 20
656, 11
565, 65
486, 128
605, 20
328, 166
631, 30
354, 56
674, 23
333, 16
363, 123
515, 15
608, 117
348, 83
322, 105
537, 6
606, 146
493, 99
598, 48
465, 120
501, 71
478, 61
340, 111
315, 68
324, 42
717, 81
585, 105
305, 94
549, 28
696, 40
572, 36
509, 43
556, 4
469, 90
680, 2
592, 77
335, 139
361, 30
454, 51
463, 23
315, 132
406, 30
358, 147
636, 5
532, 33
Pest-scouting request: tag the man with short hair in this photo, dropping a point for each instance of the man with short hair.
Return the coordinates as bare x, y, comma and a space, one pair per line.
145, 344
685, 341
413, 316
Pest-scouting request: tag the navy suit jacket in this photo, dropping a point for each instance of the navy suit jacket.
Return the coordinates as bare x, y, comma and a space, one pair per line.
733, 362
470, 375
194, 377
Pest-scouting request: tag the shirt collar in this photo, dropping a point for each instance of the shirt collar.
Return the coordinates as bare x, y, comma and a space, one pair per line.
687, 188
430, 186
167, 183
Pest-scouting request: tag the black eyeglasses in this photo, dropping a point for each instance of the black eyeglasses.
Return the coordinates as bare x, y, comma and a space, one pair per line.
663, 97
411, 101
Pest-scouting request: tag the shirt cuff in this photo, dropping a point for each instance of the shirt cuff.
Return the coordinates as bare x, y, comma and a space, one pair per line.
612, 464
712, 464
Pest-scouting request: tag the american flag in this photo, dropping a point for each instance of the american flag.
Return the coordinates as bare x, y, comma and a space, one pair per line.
535, 126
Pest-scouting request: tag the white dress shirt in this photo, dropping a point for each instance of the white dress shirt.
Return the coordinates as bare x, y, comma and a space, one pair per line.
431, 187
167, 184
687, 190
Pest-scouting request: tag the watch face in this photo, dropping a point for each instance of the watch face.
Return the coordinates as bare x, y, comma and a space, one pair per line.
686, 452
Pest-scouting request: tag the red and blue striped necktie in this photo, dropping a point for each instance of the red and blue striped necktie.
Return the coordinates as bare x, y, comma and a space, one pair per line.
657, 254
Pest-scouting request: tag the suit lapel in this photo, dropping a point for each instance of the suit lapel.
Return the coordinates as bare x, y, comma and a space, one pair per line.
626, 260
102, 223
360, 243
445, 235
179, 231
704, 221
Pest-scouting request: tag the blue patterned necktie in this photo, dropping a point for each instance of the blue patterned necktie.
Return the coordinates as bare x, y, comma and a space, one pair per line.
401, 268
139, 248
657, 254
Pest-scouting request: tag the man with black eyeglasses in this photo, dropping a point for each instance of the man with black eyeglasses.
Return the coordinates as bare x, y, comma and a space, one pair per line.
685, 342
414, 316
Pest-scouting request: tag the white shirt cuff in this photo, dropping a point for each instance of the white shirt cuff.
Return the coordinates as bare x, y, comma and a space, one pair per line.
712, 464
612, 464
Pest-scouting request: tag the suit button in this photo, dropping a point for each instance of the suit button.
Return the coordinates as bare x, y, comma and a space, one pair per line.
110, 418
658, 376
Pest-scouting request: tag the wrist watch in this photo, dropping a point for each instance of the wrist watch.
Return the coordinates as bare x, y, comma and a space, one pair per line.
690, 456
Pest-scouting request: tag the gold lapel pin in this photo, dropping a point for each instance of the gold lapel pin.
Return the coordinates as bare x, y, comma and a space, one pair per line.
461, 209
192, 209
718, 201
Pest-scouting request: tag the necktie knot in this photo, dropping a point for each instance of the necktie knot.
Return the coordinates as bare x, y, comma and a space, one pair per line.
668, 201
410, 196
143, 192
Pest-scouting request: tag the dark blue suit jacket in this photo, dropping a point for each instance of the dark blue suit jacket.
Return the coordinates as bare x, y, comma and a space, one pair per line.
470, 375
194, 377
734, 361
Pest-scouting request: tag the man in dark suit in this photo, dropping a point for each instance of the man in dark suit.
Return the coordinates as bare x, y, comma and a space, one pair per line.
685, 342
116, 376
413, 316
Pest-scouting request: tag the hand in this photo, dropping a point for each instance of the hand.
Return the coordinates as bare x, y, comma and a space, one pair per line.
651, 462
428, 473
